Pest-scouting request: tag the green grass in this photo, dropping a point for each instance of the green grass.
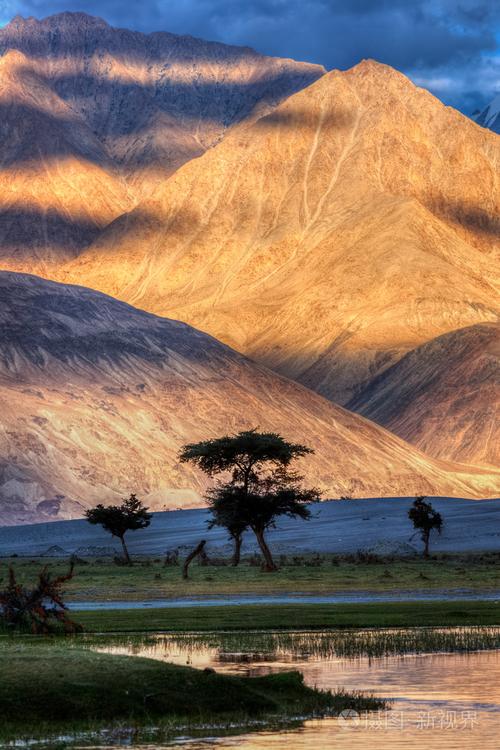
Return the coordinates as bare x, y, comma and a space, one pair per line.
149, 579
52, 687
345, 643
293, 617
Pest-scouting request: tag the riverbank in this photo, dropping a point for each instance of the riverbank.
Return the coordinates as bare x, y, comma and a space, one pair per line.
292, 617
99, 579
47, 688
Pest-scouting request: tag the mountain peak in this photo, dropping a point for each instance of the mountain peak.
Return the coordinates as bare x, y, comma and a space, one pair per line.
64, 19
490, 115
377, 73
369, 78
370, 65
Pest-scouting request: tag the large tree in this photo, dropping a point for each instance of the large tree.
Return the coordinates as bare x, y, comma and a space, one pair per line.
425, 519
118, 519
260, 486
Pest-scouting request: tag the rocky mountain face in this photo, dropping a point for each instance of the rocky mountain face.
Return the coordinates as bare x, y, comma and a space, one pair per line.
341, 229
354, 223
97, 398
58, 186
443, 396
152, 102
490, 116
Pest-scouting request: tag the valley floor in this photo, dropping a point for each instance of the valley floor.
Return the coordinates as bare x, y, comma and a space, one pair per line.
336, 527
148, 579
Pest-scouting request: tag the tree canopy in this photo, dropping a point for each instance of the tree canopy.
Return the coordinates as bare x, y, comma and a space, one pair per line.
242, 453
118, 519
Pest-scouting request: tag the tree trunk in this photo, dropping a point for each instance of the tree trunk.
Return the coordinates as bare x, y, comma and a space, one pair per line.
270, 565
125, 551
237, 550
197, 550
427, 535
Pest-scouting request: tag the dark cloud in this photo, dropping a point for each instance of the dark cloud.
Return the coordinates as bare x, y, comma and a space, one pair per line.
434, 40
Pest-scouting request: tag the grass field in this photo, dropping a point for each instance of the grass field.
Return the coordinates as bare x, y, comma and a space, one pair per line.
48, 688
292, 616
150, 579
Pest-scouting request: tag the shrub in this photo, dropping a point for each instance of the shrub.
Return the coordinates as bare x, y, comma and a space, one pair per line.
40, 610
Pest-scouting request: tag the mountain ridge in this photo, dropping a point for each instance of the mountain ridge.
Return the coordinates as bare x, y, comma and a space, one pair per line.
155, 100
345, 201
327, 225
98, 397
443, 396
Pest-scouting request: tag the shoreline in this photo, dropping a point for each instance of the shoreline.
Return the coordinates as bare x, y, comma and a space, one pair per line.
355, 597
292, 617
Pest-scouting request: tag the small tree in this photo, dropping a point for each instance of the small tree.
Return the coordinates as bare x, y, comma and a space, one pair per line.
425, 519
40, 610
118, 519
260, 488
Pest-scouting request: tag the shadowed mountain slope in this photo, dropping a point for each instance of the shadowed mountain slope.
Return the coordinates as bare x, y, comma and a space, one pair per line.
444, 396
93, 117
97, 398
58, 186
355, 222
154, 101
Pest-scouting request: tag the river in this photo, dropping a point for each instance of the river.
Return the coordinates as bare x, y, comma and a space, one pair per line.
442, 701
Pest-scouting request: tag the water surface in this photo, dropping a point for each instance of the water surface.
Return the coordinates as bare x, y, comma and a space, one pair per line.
442, 701
231, 600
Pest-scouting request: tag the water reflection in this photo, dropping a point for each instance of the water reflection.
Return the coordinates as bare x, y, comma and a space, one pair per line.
442, 701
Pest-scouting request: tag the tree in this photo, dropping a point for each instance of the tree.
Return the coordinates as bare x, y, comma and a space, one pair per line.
425, 519
260, 489
118, 519
228, 511
198, 551
41, 609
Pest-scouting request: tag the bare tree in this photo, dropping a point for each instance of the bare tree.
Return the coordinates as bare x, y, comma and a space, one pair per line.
198, 550
41, 609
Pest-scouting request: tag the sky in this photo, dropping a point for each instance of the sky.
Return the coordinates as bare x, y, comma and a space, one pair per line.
451, 47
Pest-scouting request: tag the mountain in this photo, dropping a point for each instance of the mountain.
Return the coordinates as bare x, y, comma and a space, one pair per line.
58, 186
352, 224
152, 101
490, 116
443, 396
329, 225
97, 398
